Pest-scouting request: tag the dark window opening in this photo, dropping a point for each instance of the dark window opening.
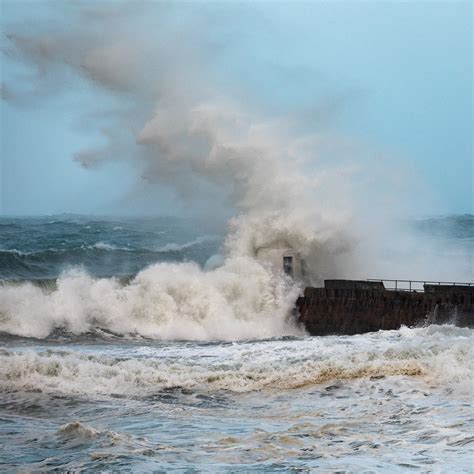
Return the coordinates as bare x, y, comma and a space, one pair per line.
288, 265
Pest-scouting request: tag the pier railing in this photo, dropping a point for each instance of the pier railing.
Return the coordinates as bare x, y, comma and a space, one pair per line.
416, 285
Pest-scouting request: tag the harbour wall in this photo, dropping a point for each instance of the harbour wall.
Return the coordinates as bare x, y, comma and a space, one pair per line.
354, 307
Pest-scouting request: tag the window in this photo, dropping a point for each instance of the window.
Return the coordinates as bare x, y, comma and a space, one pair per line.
288, 265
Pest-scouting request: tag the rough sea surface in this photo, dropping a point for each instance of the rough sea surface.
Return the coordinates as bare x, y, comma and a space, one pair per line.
120, 351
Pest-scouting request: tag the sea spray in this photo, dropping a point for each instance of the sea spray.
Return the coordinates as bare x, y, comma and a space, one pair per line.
175, 120
245, 297
193, 137
239, 300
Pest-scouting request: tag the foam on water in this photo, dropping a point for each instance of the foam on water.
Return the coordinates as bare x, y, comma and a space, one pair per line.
442, 355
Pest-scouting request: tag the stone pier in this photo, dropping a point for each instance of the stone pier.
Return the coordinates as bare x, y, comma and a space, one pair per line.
354, 307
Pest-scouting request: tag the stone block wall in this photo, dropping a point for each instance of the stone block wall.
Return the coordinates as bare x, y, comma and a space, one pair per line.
351, 310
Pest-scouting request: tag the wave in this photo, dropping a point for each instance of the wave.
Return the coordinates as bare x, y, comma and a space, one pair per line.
240, 300
100, 258
440, 355
106, 246
76, 429
101, 245
173, 247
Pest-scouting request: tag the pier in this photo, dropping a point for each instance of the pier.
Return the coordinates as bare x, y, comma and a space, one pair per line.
360, 306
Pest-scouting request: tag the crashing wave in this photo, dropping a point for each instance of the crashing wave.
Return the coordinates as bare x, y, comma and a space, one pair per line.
442, 355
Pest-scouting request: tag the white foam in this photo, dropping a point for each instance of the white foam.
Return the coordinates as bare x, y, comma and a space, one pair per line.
174, 247
240, 300
440, 355
76, 429
103, 246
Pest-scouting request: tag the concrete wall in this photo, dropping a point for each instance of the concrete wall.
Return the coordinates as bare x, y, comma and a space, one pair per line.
349, 310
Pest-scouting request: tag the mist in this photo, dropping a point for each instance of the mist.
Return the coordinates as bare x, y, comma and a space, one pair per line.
273, 166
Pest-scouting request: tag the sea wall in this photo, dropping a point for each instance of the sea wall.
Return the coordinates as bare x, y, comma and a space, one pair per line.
353, 307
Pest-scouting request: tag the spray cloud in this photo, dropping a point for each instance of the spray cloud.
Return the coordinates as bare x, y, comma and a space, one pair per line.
190, 129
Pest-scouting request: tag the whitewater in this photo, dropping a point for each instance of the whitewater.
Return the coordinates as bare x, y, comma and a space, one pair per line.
393, 401
142, 343
166, 343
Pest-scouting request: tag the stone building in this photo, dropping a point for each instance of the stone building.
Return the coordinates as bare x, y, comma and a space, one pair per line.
282, 258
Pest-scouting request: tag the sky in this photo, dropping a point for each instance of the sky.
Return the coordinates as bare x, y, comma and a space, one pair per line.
390, 82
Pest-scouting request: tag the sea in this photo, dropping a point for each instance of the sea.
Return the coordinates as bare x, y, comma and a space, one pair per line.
129, 344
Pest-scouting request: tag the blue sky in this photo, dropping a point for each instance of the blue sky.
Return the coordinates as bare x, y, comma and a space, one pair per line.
395, 76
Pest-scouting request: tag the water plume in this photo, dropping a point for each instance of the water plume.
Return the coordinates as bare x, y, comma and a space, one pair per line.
189, 130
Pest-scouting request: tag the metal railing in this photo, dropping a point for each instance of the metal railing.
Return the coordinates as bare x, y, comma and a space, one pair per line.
415, 285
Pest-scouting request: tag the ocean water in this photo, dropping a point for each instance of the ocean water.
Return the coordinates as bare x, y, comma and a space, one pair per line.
42, 248
127, 344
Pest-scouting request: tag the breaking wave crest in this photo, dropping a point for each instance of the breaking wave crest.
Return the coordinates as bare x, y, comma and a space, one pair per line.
443, 355
240, 300
76, 429
173, 247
